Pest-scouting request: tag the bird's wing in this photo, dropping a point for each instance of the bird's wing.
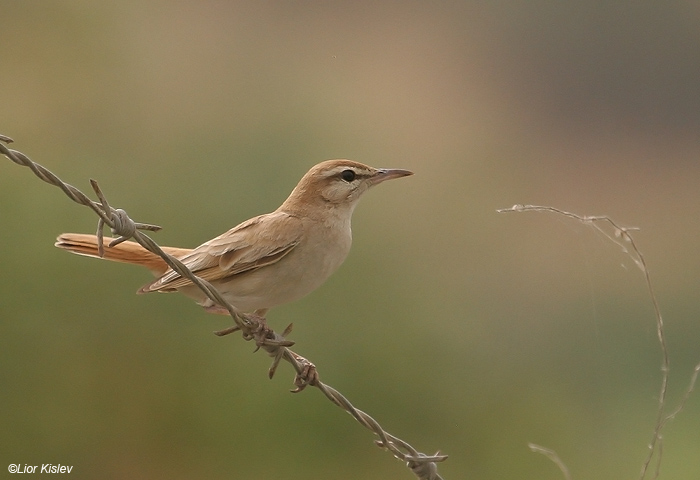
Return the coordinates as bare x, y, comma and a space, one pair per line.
255, 243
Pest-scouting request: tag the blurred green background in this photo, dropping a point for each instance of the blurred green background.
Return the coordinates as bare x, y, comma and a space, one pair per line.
457, 328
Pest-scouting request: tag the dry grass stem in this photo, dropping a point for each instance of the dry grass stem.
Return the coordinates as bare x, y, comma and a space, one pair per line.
552, 455
621, 236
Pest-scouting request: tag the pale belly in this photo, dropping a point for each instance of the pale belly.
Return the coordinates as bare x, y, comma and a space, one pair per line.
294, 276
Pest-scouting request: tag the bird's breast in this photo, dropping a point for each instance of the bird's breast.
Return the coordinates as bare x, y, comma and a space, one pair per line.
306, 267
323, 249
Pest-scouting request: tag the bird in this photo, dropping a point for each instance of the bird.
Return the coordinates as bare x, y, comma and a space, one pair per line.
268, 260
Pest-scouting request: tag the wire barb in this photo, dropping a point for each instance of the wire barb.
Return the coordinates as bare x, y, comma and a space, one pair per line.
251, 326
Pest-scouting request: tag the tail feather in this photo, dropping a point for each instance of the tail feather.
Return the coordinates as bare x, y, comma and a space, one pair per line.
125, 252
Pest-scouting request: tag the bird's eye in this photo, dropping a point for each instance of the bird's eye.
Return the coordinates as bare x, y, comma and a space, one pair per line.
347, 175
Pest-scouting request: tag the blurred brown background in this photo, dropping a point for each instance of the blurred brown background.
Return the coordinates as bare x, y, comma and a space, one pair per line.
458, 328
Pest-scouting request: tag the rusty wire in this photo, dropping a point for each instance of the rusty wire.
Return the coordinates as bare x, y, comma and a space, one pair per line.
251, 326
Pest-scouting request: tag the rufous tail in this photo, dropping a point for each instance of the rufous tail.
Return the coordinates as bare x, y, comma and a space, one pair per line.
125, 252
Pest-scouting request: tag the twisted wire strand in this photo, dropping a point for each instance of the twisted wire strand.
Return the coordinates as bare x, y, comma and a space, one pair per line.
422, 465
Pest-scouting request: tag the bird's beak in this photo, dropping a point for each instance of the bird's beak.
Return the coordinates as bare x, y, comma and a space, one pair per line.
383, 174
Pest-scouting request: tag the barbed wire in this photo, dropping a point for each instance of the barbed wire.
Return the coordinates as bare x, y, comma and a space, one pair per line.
251, 326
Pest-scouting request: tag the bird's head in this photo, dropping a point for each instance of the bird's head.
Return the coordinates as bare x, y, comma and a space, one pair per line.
338, 183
